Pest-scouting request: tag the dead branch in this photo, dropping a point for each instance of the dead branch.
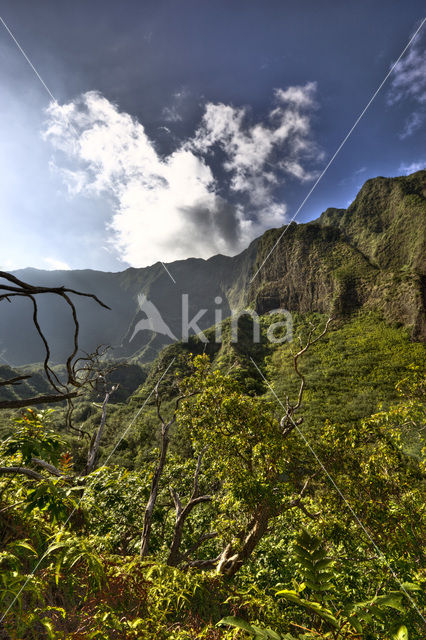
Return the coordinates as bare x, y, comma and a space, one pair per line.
14, 381
96, 439
15, 287
158, 472
182, 513
46, 465
297, 502
201, 540
22, 470
45, 399
288, 422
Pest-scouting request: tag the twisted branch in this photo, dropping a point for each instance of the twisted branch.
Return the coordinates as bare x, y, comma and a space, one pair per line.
15, 287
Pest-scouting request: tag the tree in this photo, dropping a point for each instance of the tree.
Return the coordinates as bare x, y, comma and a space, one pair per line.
85, 371
159, 469
78, 374
95, 440
249, 448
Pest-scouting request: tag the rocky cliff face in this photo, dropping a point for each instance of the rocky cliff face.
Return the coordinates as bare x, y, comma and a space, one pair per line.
386, 221
370, 255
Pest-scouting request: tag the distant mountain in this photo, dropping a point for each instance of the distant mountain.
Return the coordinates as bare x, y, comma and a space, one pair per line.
370, 255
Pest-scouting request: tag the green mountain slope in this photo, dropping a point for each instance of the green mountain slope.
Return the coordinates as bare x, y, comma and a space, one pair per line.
349, 374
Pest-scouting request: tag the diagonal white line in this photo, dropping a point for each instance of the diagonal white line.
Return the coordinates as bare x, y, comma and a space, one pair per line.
5, 359
339, 148
81, 498
168, 272
308, 444
28, 60
53, 98
131, 423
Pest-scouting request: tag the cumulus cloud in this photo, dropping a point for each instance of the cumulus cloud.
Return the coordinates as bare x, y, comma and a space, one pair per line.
409, 82
175, 206
258, 154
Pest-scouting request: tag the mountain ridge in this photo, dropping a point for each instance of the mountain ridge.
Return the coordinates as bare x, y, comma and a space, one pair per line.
370, 255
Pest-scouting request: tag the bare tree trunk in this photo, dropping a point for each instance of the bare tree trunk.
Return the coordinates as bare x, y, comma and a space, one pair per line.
175, 556
149, 509
96, 441
229, 563
147, 522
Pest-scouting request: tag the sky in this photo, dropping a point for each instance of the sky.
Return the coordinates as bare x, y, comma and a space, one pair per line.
172, 129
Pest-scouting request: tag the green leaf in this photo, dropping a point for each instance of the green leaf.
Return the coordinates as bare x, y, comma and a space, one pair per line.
23, 544
239, 623
315, 607
400, 634
257, 632
392, 600
323, 564
58, 569
47, 624
266, 633
410, 586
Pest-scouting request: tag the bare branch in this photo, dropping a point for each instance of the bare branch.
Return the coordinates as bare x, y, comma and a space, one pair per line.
175, 556
46, 465
22, 470
18, 288
197, 474
288, 423
36, 289
96, 440
310, 341
28, 402
14, 381
176, 500
297, 502
201, 540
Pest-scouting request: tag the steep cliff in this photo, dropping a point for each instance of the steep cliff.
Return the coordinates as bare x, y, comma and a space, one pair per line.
370, 255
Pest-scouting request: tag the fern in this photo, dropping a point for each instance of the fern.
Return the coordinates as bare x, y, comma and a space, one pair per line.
259, 633
315, 567
349, 621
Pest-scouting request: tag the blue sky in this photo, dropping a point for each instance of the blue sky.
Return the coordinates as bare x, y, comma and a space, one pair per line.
188, 128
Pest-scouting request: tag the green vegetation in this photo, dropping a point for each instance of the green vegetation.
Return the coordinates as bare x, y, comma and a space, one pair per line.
222, 489
264, 526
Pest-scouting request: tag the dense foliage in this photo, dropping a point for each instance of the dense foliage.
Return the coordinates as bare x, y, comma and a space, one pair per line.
258, 529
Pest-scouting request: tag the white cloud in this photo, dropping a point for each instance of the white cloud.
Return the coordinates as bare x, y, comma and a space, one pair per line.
301, 96
409, 76
171, 114
57, 264
360, 170
406, 169
259, 155
412, 124
173, 207
409, 82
